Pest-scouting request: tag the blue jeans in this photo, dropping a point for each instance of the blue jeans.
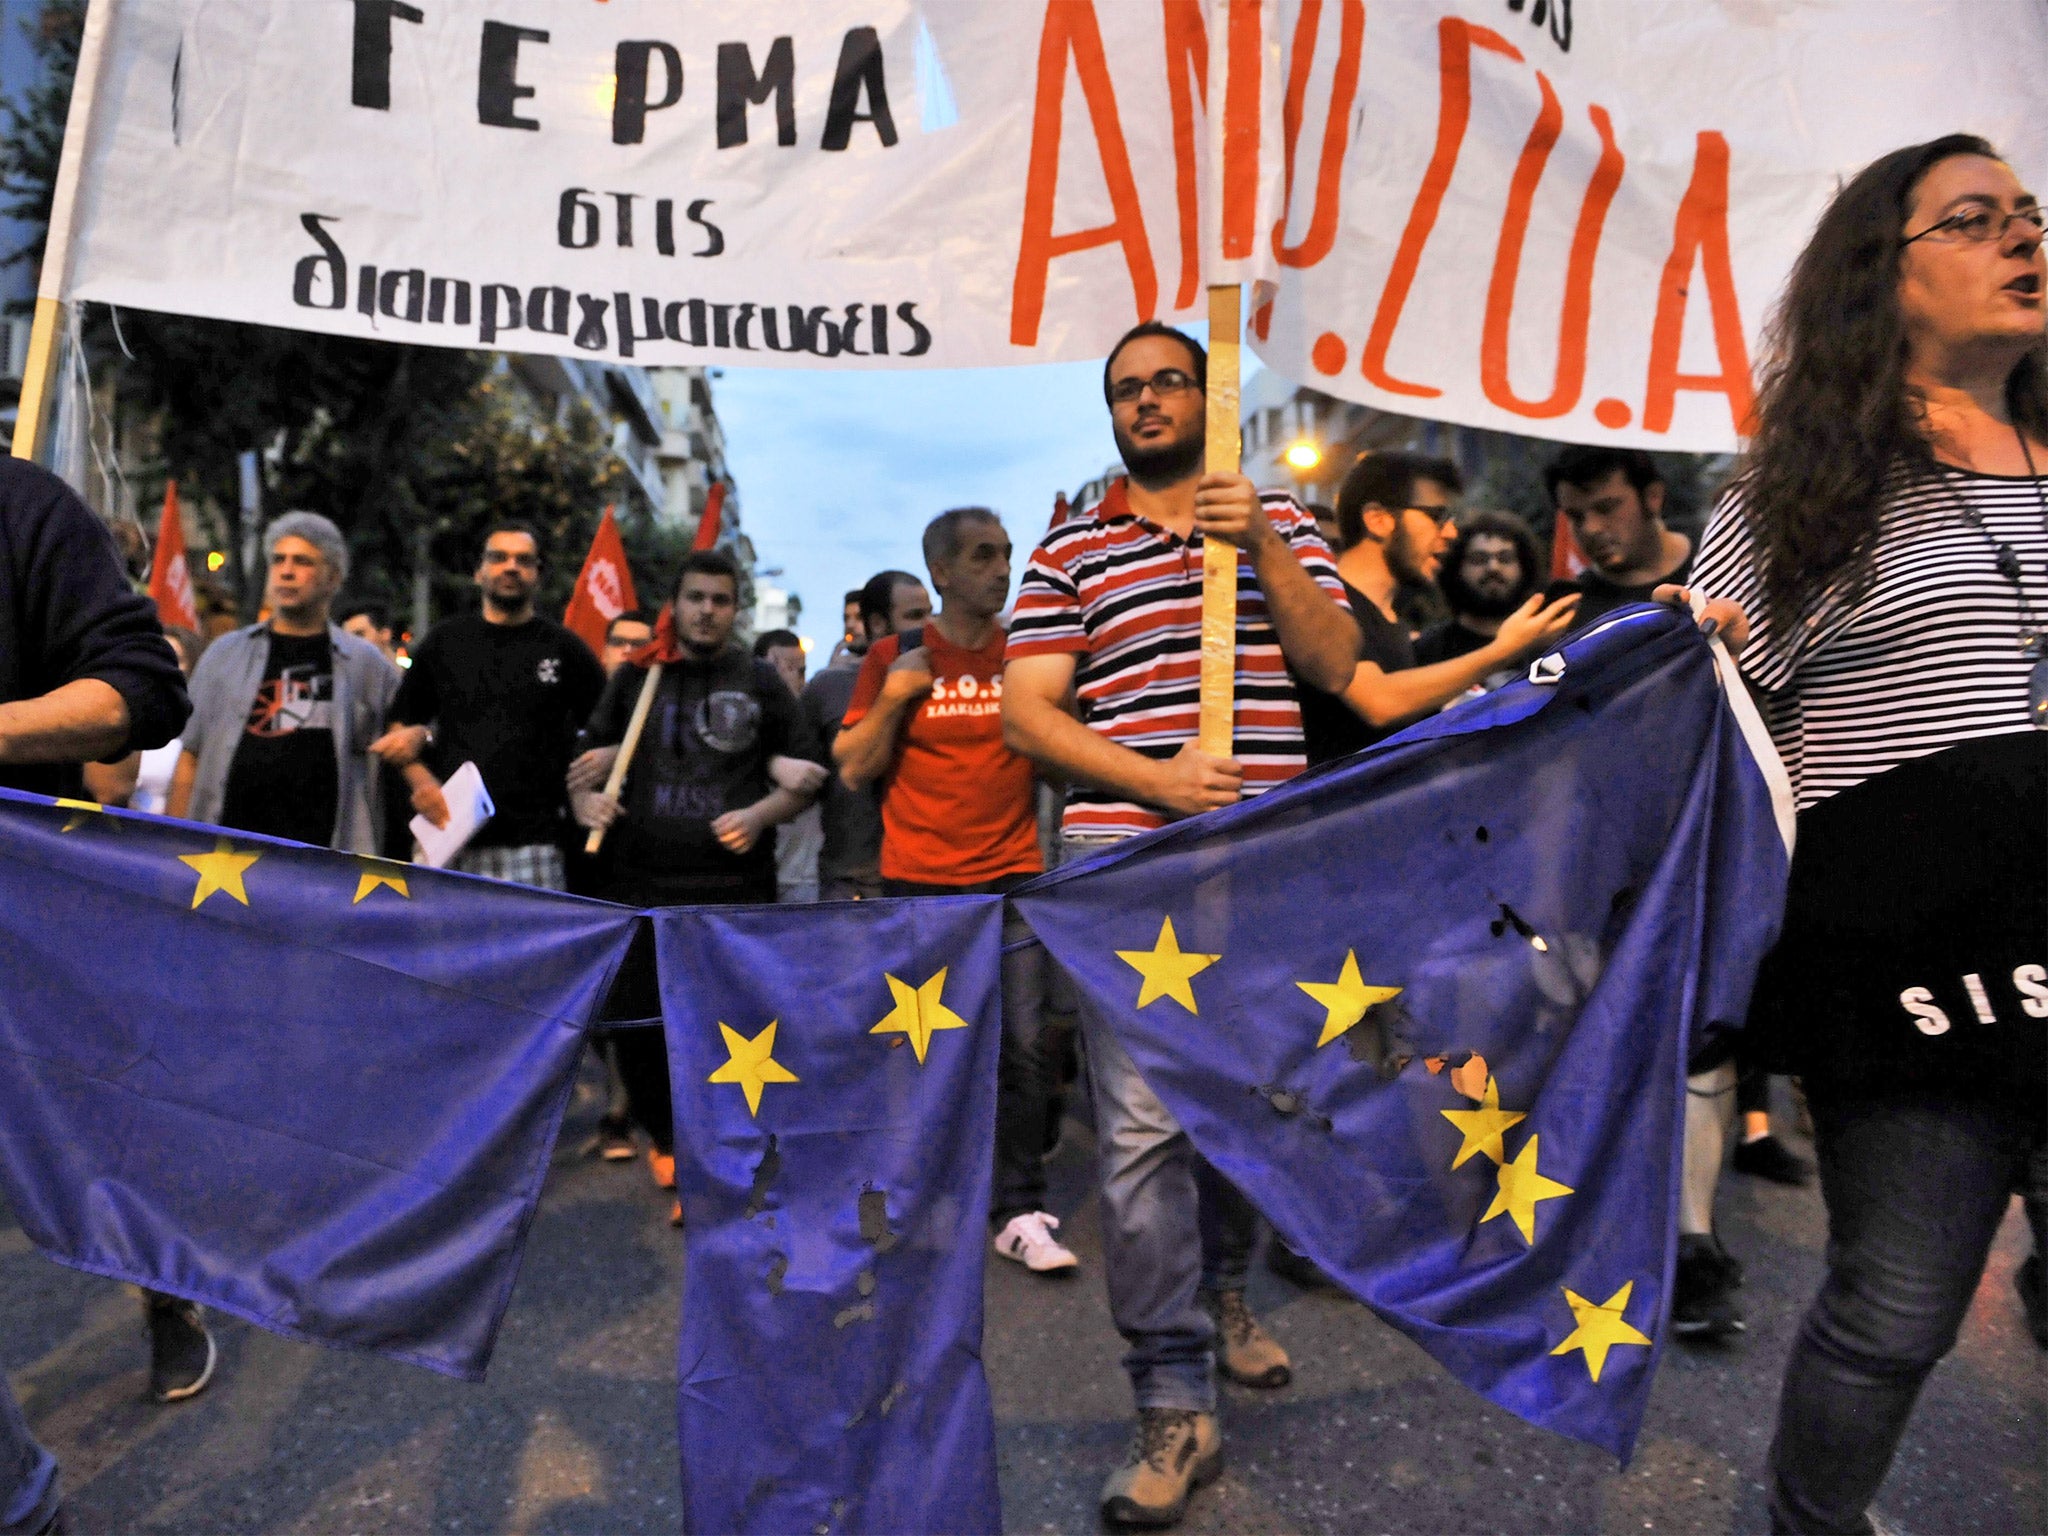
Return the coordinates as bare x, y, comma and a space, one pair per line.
1151, 1229
1915, 1188
28, 1473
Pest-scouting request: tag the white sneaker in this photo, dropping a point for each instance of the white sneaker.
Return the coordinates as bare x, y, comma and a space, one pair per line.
1029, 1240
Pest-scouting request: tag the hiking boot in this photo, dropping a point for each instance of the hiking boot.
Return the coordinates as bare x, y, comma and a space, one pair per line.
1703, 1292
1248, 1354
181, 1352
663, 1166
1769, 1158
1029, 1240
615, 1140
1174, 1452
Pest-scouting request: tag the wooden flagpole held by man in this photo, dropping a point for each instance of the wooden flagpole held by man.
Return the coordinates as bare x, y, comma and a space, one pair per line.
32, 414
1219, 559
1236, 213
642, 706
707, 536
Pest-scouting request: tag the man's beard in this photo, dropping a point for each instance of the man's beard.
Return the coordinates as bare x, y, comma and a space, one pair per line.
1474, 604
499, 603
1478, 605
1408, 560
1157, 468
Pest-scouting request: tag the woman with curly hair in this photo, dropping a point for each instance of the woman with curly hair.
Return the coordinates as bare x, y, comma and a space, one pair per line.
1888, 543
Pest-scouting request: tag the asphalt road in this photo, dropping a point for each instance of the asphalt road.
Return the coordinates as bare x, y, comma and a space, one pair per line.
574, 1431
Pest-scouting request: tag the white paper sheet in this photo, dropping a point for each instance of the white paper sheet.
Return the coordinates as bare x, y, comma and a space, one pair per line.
469, 807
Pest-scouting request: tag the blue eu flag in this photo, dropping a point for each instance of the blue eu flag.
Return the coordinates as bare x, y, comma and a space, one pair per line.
834, 1074
1431, 1008
315, 1091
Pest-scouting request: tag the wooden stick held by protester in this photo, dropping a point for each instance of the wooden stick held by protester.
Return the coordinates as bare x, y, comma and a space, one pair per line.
1219, 558
642, 706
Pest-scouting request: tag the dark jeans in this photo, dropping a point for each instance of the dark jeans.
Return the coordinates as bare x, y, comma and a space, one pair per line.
1024, 1070
1916, 1186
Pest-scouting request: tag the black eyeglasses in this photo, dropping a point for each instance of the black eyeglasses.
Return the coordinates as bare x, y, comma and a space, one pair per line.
1167, 381
1980, 224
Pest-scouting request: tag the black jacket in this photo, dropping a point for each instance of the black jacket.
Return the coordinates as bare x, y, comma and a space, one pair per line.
67, 612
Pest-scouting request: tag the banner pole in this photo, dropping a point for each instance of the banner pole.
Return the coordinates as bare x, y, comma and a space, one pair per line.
627, 747
1219, 560
32, 414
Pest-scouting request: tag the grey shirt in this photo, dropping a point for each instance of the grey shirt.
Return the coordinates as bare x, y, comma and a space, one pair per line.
224, 687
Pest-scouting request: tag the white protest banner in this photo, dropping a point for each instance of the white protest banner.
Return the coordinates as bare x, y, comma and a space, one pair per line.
1567, 219
1571, 220
849, 182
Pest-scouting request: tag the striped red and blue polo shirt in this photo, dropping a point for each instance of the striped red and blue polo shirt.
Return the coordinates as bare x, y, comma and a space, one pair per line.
1125, 596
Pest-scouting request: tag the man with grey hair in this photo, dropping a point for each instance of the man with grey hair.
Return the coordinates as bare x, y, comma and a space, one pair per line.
283, 712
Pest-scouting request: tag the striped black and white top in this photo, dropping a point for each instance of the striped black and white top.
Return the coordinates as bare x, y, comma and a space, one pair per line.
1929, 654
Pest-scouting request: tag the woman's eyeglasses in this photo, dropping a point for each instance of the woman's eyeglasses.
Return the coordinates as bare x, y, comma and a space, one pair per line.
1978, 225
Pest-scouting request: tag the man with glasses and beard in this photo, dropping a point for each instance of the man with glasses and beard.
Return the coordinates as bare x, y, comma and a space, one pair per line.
1394, 515
1109, 613
1488, 572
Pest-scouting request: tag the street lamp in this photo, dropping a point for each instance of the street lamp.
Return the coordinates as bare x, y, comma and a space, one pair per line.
1302, 457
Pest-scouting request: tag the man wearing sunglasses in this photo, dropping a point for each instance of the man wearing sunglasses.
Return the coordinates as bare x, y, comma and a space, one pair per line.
1109, 613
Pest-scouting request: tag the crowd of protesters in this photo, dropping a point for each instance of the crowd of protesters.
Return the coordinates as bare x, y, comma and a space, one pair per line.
917, 761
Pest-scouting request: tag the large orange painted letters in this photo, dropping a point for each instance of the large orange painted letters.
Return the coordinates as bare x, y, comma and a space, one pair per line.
1322, 225
1071, 29
1570, 376
1187, 58
1700, 234
1456, 38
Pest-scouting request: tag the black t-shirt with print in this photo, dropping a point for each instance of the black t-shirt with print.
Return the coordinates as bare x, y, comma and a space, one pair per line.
509, 698
704, 751
283, 780
1329, 726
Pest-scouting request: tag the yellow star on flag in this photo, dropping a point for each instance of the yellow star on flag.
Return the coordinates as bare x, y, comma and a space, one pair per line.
1483, 1127
220, 870
82, 807
918, 1012
1600, 1326
1521, 1186
1348, 998
751, 1063
1168, 970
376, 872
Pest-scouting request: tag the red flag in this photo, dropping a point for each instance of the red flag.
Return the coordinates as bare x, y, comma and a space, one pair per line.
707, 525
1566, 558
170, 580
604, 587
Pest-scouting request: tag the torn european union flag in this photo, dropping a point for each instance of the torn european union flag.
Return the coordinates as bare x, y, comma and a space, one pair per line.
1431, 1008
316, 1091
833, 1070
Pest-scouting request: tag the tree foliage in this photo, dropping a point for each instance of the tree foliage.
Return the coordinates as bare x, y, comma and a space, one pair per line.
32, 129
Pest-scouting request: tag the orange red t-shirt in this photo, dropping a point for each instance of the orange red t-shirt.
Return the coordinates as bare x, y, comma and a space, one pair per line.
957, 808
